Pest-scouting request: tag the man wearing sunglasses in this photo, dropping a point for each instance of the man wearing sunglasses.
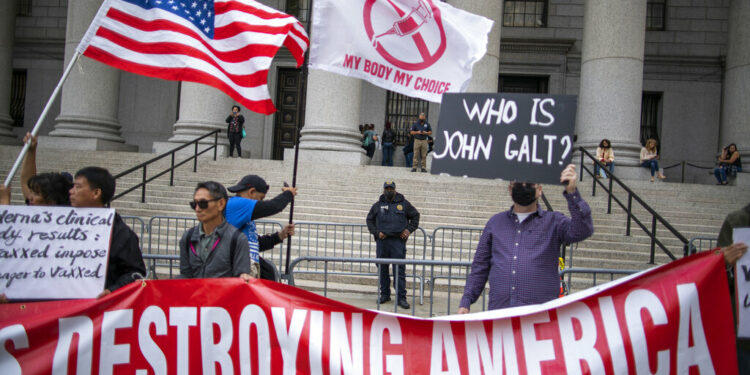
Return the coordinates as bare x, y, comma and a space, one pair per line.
246, 207
213, 248
519, 248
95, 187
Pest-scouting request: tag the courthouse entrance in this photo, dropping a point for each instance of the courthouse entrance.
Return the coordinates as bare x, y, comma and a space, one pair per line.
290, 110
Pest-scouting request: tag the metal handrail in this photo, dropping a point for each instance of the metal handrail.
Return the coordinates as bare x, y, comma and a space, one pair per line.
685, 164
171, 169
655, 217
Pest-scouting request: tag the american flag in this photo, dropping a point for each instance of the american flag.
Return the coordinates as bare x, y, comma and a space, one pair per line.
227, 44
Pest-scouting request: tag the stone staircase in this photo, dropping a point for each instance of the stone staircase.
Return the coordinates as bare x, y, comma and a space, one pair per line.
343, 194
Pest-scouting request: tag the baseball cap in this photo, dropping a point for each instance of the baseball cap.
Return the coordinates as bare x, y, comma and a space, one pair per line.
250, 181
389, 183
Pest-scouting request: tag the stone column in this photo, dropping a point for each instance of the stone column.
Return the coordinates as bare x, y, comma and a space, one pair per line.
331, 118
90, 96
735, 119
609, 104
7, 32
202, 109
484, 77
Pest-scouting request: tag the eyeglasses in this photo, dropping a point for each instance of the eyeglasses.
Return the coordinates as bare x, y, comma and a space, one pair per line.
203, 204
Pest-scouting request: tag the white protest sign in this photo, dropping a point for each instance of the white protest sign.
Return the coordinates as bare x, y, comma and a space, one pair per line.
53, 252
742, 279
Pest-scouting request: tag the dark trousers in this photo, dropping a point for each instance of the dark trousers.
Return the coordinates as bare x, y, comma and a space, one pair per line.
395, 248
234, 140
387, 154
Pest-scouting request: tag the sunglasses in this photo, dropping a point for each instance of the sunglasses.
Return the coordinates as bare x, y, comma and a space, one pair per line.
203, 204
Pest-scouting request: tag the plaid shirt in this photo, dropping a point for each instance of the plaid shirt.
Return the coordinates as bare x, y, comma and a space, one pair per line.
520, 259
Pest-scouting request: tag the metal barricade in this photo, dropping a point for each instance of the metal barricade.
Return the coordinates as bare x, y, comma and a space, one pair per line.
166, 232
172, 262
698, 244
454, 244
138, 226
353, 241
374, 262
593, 279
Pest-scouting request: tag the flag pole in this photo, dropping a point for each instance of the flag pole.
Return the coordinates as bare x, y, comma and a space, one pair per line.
303, 103
55, 94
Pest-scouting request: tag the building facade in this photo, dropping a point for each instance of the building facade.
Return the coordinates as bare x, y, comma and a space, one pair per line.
674, 70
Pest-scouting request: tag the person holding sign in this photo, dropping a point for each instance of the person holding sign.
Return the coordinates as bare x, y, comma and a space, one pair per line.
420, 130
391, 220
650, 157
213, 248
519, 248
95, 187
44, 189
732, 251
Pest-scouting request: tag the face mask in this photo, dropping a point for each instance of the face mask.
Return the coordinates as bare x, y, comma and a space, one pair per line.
523, 195
389, 195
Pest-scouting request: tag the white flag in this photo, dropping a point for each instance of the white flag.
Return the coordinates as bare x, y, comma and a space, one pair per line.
419, 48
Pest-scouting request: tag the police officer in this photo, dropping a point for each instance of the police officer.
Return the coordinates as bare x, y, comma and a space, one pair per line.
391, 220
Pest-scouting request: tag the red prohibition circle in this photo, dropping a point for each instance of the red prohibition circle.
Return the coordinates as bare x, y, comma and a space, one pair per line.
427, 58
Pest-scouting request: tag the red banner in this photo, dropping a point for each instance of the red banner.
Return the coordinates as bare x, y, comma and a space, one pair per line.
672, 319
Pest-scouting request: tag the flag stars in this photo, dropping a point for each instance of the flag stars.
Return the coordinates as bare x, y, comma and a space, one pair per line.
194, 4
175, 7
198, 13
203, 22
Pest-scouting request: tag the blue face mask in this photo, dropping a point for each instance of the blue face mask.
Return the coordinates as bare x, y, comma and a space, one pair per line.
523, 195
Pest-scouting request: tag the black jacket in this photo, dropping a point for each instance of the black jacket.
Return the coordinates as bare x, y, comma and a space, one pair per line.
124, 256
240, 120
392, 218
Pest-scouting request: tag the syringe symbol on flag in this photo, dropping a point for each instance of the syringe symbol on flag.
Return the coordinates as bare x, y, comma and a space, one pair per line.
408, 24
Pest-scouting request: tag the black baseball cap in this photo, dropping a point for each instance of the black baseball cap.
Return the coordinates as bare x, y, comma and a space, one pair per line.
389, 183
250, 181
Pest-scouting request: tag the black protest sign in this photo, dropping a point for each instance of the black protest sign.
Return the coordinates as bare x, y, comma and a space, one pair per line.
521, 137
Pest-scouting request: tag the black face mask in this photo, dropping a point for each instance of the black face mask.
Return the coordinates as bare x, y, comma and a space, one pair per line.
389, 195
523, 195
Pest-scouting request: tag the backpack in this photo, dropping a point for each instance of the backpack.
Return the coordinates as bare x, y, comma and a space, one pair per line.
232, 244
388, 136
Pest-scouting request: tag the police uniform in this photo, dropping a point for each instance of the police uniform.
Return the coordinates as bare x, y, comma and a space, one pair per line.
391, 218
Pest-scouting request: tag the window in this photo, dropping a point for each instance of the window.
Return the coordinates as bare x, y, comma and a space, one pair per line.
24, 8
17, 97
655, 14
650, 104
298, 8
402, 111
523, 84
525, 13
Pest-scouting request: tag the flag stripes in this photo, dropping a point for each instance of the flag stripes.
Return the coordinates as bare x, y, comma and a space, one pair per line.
139, 37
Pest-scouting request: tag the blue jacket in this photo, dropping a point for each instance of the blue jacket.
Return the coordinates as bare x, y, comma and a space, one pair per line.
392, 218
